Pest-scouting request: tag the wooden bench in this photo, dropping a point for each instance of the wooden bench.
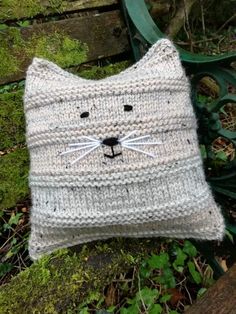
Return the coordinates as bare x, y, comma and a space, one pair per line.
220, 298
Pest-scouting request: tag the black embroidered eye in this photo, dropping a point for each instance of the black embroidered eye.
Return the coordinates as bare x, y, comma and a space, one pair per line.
84, 114
128, 108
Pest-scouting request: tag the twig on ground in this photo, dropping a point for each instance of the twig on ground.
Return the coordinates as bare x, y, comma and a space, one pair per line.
139, 291
189, 295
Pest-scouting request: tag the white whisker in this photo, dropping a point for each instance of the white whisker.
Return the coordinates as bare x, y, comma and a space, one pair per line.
137, 138
125, 137
77, 149
90, 138
138, 150
82, 144
85, 154
142, 143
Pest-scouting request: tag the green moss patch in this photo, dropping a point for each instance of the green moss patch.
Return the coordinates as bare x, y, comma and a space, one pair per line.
65, 281
9, 63
15, 9
11, 43
12, 122
97, 73
13, 177
56, 46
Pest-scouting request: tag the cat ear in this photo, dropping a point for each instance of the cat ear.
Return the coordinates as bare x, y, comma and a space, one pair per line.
162, 58
43, 75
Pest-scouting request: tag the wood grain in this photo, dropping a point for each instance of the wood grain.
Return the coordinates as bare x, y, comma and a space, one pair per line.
9, 10
220, 298
105, 35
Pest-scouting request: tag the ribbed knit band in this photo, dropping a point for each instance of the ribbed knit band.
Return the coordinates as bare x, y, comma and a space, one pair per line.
115, 157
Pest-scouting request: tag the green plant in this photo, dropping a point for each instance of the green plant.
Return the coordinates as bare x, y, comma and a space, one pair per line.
14, 238
163, 282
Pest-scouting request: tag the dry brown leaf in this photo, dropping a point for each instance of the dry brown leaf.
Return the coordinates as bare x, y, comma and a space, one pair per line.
111, 296
176, 296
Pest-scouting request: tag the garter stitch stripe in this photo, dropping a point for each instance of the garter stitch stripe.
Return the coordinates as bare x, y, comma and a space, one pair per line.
115, 157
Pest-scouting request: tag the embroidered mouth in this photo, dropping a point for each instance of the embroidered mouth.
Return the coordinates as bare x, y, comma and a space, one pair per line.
89, 144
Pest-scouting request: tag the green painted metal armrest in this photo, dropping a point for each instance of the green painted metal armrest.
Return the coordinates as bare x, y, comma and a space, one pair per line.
144, 23
144, 32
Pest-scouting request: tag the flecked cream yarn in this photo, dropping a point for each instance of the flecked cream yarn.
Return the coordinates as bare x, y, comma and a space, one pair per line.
115, 157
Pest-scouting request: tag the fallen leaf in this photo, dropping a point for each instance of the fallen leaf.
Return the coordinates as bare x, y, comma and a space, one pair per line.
176, 296
110, 298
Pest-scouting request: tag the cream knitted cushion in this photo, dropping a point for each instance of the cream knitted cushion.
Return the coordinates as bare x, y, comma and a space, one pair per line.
115, 157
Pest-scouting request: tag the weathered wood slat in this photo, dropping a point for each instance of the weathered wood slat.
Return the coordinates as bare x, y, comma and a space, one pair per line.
104, 34
13, 177
63, 281
220, 298
11, 10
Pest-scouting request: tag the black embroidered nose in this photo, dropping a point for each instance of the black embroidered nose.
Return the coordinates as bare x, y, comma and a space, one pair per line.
110, 141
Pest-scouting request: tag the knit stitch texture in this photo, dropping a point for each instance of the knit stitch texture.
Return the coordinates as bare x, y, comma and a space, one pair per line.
115, 157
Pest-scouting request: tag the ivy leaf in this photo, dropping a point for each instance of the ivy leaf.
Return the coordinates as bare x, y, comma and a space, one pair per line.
6, 227
203, 151
133, 309
13, 241
189, 249
165, 298
148, 295
5, 268
195, 274
159, 261
180, 259
111, 309
14, 219
84, 310
167, 278
201, 291
145, 271
221, 156
23, 23
155, 309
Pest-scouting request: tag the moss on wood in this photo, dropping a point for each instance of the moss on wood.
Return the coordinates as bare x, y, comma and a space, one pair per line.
97, 73
12, 122
11, 43
55, 46
62, 282
15, 9
13, 177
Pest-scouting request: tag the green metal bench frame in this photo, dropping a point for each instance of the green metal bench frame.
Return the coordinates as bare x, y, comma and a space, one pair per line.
143, 33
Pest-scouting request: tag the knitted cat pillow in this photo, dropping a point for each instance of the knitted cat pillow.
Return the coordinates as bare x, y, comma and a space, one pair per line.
115, 157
